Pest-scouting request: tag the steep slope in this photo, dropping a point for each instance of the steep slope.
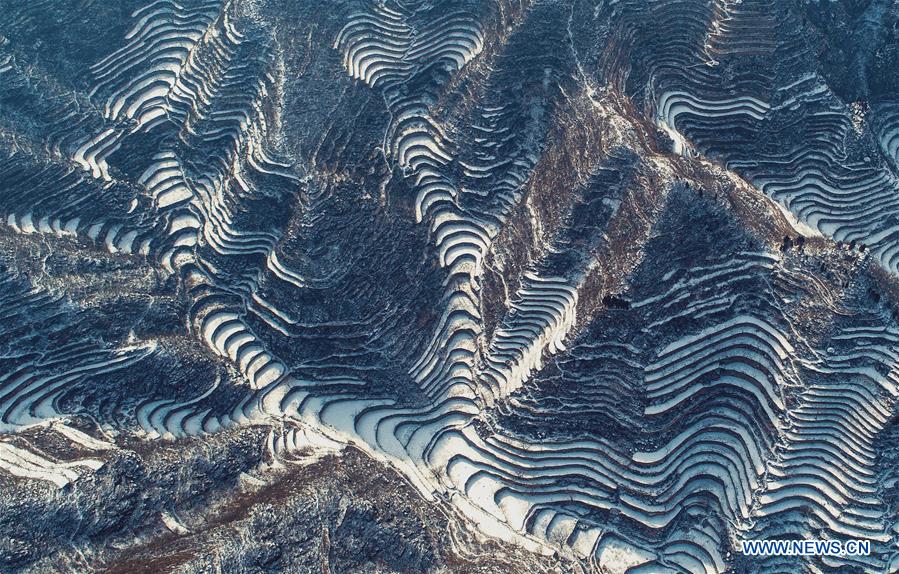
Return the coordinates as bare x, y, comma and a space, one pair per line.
543, 285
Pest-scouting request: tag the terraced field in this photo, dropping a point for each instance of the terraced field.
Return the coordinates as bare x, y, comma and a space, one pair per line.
448, 286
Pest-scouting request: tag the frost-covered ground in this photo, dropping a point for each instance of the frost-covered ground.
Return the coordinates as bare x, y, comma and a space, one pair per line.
455, 286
